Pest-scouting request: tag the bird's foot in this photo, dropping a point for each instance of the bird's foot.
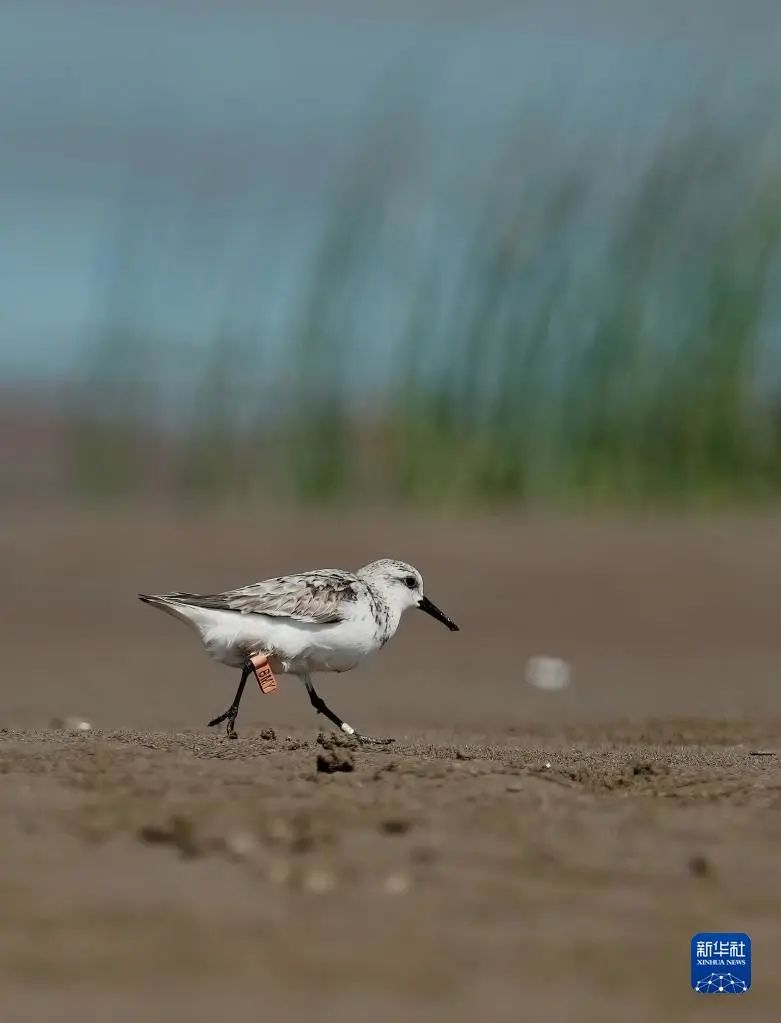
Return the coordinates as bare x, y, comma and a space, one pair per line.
230, 717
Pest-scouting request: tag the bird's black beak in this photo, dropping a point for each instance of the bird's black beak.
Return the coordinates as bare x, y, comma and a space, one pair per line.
431, 609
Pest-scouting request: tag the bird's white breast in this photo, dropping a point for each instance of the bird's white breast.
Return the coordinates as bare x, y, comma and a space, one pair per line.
293, 646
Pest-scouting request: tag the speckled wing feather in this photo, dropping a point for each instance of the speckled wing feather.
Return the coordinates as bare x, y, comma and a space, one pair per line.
308, 597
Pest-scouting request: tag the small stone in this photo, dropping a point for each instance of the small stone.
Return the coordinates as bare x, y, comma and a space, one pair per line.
395, 826
269, 734
397, 884
241, 845
330, 761
700, 866
514, 786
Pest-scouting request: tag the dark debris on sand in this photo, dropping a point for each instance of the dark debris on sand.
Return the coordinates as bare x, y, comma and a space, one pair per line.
331, 761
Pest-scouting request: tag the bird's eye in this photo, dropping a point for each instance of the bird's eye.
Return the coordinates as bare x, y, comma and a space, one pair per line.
411, 581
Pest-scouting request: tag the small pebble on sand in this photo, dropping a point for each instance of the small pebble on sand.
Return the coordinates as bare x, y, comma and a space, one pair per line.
397, 884
550, 673
241, 845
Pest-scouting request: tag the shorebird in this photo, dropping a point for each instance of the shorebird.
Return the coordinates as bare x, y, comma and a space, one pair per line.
325, 620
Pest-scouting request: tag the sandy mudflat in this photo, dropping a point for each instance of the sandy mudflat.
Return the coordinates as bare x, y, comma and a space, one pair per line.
154, 869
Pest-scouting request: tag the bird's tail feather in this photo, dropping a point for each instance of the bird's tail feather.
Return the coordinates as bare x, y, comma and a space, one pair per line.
167, 602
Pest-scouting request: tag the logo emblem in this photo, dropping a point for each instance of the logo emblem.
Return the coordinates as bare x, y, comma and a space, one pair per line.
721, 963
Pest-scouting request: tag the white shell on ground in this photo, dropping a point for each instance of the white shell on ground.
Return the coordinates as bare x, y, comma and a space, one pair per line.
548, 673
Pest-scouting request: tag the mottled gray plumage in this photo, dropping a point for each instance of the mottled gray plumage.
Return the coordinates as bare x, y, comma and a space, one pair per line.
305, 597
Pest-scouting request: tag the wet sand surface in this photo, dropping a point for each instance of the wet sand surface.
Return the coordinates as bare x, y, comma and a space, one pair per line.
516, 854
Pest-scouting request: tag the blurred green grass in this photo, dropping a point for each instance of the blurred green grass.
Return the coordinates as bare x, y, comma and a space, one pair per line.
586, 346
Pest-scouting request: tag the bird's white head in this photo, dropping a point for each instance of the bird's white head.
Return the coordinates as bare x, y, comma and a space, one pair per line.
401, 587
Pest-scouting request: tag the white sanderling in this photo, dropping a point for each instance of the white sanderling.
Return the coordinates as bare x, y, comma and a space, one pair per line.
326, 620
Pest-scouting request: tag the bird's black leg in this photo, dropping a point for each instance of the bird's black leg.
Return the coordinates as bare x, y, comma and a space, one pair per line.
233, 710
322, 708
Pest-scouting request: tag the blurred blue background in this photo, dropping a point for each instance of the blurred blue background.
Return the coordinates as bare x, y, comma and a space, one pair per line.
432, 253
